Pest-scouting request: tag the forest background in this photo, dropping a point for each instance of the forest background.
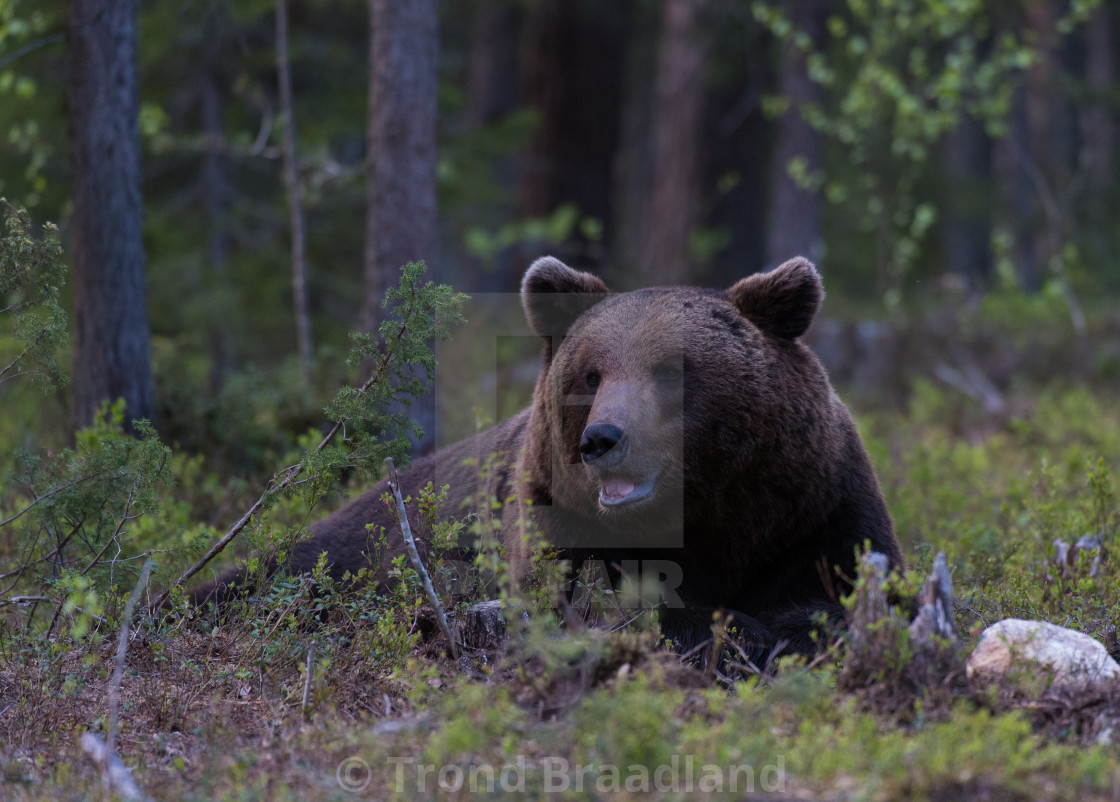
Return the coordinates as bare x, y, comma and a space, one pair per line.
918, 152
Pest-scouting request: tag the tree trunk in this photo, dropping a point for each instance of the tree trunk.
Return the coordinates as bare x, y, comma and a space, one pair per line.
492, 92
678, 117
217, 200
1098, 124
295, 197
111, 352
401, 142
795, 212
1042, 147
574, 66
401, 160
967, 219
492, 63
632, 169
1018, 208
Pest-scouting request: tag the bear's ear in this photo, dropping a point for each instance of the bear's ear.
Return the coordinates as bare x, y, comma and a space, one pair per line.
783, 301
554, 295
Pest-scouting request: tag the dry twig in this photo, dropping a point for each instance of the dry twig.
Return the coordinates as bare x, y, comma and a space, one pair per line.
414, 555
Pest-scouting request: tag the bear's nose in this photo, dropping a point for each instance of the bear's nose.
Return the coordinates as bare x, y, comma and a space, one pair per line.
598, 439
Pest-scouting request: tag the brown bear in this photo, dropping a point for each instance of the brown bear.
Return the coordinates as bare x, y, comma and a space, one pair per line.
680, 428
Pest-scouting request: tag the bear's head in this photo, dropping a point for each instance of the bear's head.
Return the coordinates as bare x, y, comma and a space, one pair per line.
647, 398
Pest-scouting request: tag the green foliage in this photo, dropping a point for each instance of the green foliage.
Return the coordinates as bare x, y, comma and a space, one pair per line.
373, 426
560, 226
998, 505
87, 517
29, 94
31, 274
790, 738
898, 77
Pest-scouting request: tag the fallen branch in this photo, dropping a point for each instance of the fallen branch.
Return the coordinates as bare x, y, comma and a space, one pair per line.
414, 555
972, 382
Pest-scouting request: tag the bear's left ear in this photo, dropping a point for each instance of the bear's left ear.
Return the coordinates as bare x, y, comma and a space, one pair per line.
783, 301
554, 295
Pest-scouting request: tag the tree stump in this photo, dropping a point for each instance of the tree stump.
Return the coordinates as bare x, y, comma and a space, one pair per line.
482, 628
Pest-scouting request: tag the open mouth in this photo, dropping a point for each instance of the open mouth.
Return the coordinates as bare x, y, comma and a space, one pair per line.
616, 491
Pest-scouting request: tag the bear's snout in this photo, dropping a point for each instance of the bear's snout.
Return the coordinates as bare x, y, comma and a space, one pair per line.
604, 444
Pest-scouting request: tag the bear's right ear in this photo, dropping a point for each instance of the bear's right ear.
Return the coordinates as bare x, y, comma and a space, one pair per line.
554, 295
783, 301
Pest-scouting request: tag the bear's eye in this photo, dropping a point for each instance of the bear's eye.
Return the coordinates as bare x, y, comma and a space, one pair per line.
668, 373
594, 379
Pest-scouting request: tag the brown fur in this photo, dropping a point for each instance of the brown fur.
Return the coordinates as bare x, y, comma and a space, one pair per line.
736, 463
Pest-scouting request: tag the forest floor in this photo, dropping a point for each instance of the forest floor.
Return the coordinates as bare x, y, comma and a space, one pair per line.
215, 710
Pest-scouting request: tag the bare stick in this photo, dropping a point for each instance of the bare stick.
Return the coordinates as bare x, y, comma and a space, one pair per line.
406, 530
28, 600
108, 776
307, 678
120, 781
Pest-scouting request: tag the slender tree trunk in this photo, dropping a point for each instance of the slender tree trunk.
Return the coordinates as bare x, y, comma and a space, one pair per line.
678, 117
401, 142
295, 197
1098, 124
1042, 148
111, 352
1018, 207
795, 212
967, 218
216, 189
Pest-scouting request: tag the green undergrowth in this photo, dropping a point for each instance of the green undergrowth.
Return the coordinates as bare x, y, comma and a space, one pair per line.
212, 708
339, 688
1000, 503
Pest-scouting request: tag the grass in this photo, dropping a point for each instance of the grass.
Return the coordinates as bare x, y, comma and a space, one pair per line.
214, 710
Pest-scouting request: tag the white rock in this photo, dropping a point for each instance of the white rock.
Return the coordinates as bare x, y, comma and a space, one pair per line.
1039, 657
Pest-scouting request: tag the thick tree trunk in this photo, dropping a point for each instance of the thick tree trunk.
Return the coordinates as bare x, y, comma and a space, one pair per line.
401, 160
795, 212
574, 65
492, 92
401, 142
111, 352
632, 173
678, 117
